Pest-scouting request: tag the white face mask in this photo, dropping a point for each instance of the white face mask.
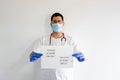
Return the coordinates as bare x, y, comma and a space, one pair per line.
57, 27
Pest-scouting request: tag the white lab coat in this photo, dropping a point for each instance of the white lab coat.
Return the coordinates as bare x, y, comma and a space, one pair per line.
53, 74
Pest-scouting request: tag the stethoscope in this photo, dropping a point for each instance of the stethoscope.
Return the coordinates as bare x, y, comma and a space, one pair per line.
63, 38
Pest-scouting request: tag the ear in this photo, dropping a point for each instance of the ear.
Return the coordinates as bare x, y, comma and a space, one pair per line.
63, 24
51, 24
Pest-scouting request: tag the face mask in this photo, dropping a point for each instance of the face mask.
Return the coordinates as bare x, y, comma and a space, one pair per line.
57, 27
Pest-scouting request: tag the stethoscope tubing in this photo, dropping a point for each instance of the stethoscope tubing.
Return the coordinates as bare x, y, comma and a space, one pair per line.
61, 38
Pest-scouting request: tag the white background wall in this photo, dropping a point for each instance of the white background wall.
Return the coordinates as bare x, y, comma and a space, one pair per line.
95, 24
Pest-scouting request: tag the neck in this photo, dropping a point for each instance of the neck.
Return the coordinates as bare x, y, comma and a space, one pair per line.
57, 35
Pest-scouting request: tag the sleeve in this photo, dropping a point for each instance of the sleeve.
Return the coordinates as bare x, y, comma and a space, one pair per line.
36, 44
77, 52
76, 46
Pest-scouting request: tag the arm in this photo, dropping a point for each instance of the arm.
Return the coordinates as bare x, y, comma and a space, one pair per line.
77, 53
35, 55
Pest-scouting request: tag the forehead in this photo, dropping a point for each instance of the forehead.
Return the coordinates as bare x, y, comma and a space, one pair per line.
57, 18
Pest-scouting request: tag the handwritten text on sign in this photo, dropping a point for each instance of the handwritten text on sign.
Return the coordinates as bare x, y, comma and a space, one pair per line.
56, 56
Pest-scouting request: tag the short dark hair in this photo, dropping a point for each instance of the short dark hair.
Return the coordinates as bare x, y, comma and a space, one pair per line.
57, 14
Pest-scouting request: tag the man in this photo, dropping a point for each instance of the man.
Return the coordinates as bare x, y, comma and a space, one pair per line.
57, 38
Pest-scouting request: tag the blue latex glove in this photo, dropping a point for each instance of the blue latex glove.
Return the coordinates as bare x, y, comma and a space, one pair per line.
79, 56
35, 56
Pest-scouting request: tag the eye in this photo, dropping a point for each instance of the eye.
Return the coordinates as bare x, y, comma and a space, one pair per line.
57, 21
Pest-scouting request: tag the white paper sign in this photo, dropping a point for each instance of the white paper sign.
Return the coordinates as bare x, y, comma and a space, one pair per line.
56, 56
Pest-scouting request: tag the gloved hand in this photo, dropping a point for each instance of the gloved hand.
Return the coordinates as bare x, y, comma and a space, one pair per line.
79, 56
35, 56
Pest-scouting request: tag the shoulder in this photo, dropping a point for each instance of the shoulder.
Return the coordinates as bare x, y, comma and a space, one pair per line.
69, 38
45, 37
42, 38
